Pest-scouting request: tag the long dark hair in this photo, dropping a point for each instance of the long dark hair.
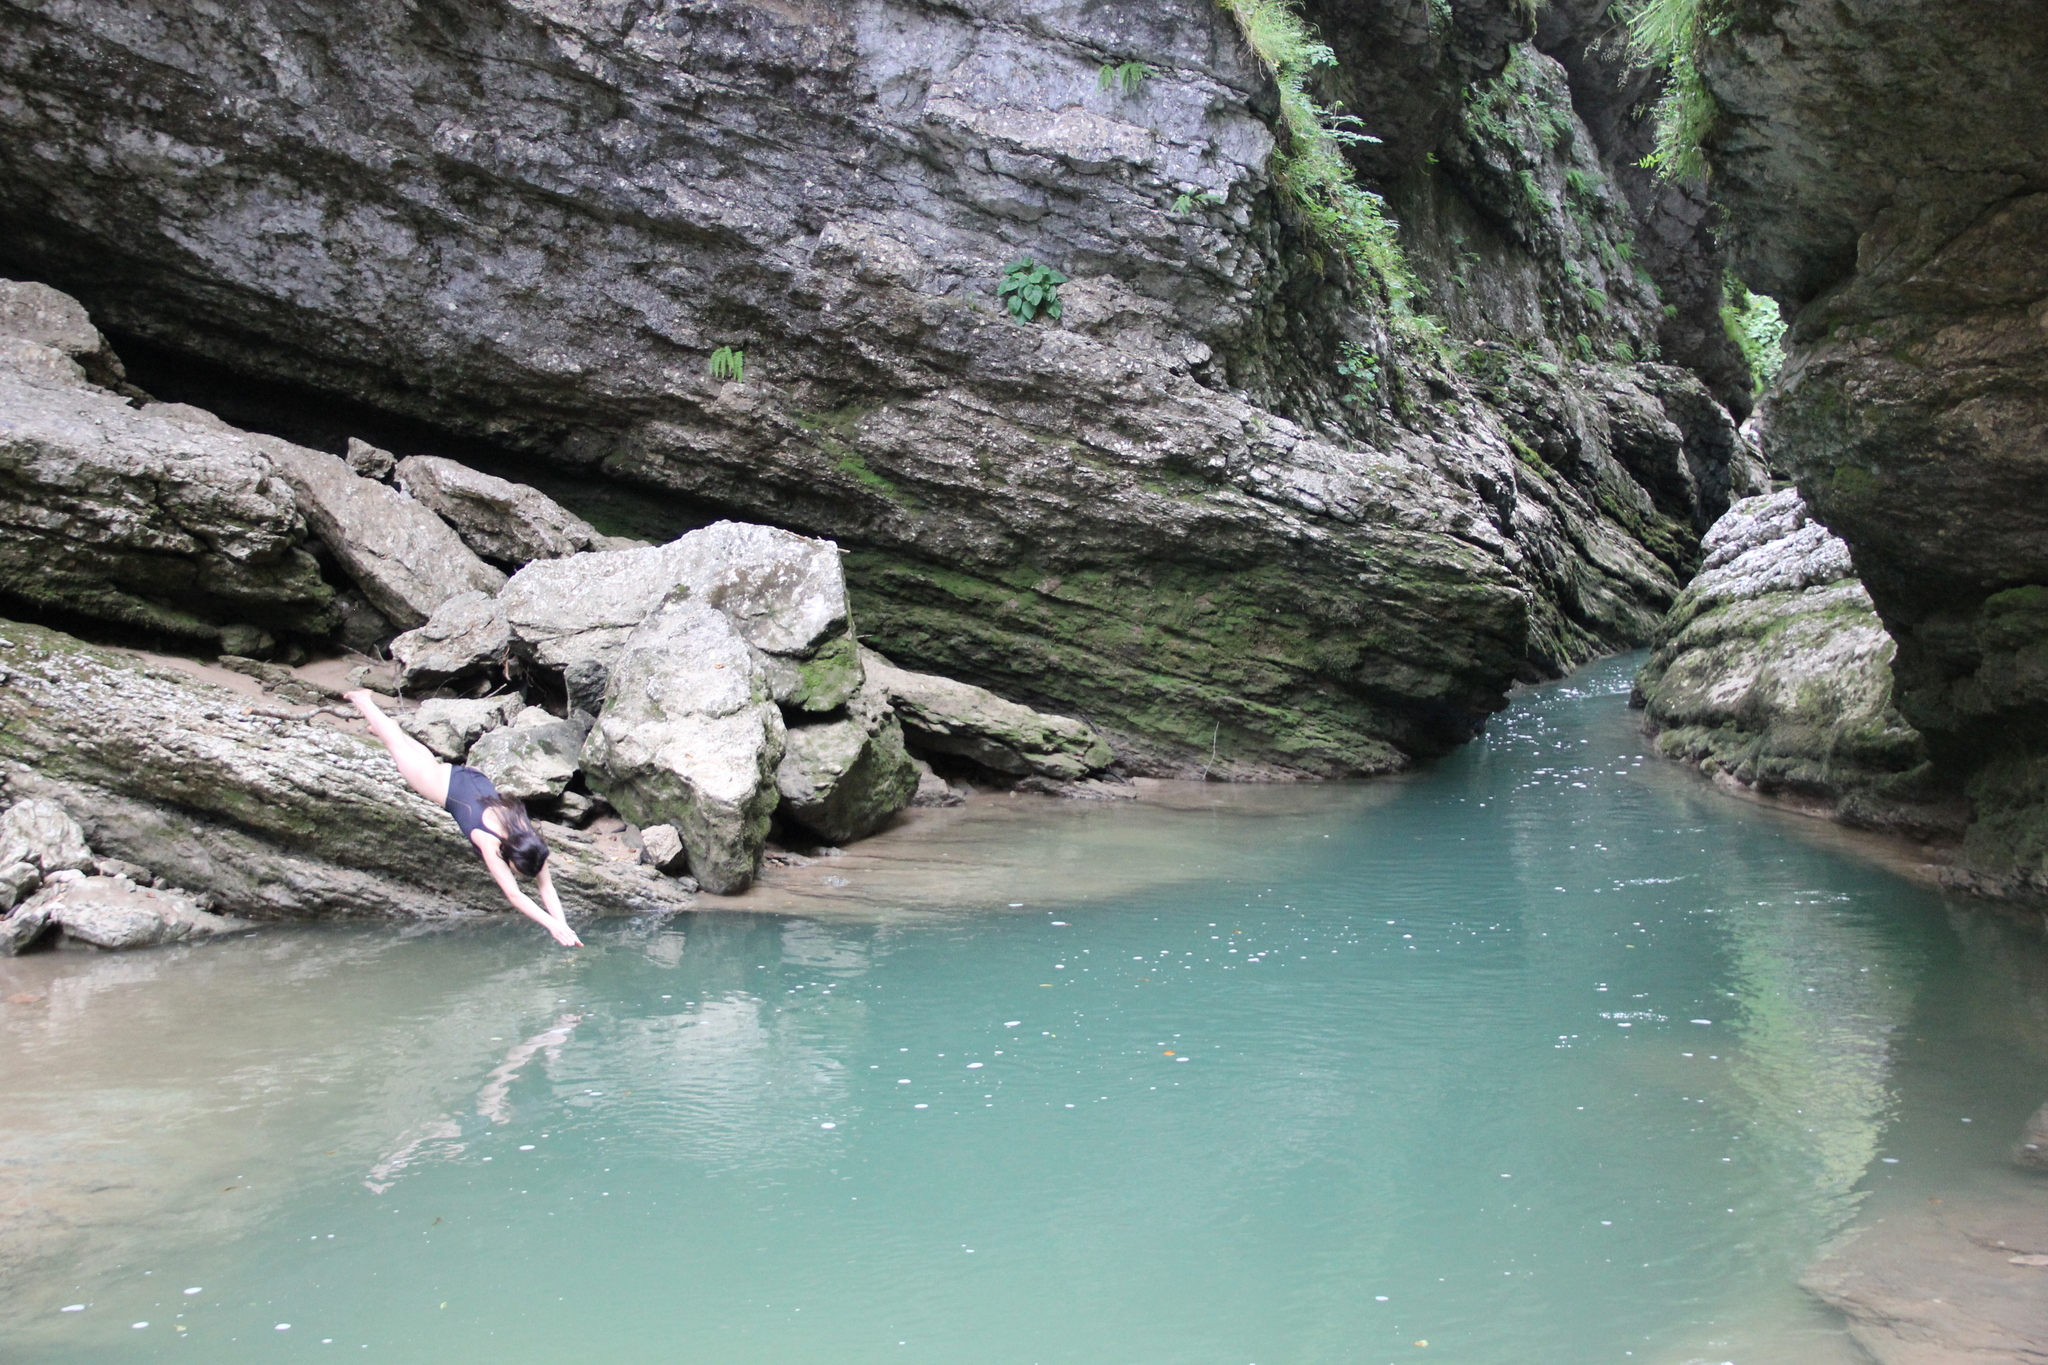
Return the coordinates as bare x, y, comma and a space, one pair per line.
521, 843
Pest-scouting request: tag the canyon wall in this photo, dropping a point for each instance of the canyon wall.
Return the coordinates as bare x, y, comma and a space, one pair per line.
1884, 170
1232, 500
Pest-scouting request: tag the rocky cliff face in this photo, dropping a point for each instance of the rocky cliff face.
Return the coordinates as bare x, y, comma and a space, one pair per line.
1885, 168
1774, 674
1221, 502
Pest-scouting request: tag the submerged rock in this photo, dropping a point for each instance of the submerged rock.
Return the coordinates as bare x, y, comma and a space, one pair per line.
689, 737
405, 559
943, 716
505, 522
1775, 673
842, 779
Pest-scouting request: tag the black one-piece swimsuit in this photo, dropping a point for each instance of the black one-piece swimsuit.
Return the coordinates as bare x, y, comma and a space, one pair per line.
468, 789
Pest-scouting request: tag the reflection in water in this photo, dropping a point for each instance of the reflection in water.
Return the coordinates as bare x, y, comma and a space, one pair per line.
1306, 1074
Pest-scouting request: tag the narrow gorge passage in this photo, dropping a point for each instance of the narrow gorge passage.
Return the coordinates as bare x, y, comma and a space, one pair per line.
1550, 1055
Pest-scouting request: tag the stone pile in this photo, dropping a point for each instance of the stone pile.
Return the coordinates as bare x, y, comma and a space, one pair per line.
710, 684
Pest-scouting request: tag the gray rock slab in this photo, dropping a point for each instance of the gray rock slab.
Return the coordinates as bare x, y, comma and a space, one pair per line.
508, 523
943, 716
140, 519
466, 635
43, 834
22, 928
406, 560
786, 594
271, 814
115, 913
533, 758
689, 737
449, 725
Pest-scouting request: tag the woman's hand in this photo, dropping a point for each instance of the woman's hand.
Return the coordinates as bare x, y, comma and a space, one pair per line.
564, 935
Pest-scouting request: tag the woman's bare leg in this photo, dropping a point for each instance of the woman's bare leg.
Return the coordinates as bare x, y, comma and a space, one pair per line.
423, 772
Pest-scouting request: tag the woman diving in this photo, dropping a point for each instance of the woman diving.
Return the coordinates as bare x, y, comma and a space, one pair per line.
496, 826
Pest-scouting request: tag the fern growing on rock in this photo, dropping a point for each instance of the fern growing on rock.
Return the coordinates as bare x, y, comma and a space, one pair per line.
729, 363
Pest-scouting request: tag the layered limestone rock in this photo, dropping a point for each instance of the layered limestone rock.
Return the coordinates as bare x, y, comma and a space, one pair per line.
689, 737
1228, 503
406, 560
1888, 176
505, 522
263, 810
943, 716
137, 517
1775, 674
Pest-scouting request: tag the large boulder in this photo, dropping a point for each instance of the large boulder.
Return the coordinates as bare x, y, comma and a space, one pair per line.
785, 593
406, 560
43, 835
466, 635
113, 912
1775, 674
137, 518
533, 758
42, 316
942, 716
689, 737
505, 522
449, 725
843, 778
272, 813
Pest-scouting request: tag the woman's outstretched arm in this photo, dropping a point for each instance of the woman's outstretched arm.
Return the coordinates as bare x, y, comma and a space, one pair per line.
501, 873
423, 772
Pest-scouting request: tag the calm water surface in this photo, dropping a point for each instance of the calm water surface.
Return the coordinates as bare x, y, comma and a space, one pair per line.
1550, 1055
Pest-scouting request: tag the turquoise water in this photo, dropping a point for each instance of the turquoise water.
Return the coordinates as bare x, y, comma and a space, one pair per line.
1548, 1055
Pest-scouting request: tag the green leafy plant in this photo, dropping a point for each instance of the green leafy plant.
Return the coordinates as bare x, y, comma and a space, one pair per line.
1312, 168
1361, 371
1755, 324
1207, 199
1030, 290
1128, 77
1667, 34
729, 363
